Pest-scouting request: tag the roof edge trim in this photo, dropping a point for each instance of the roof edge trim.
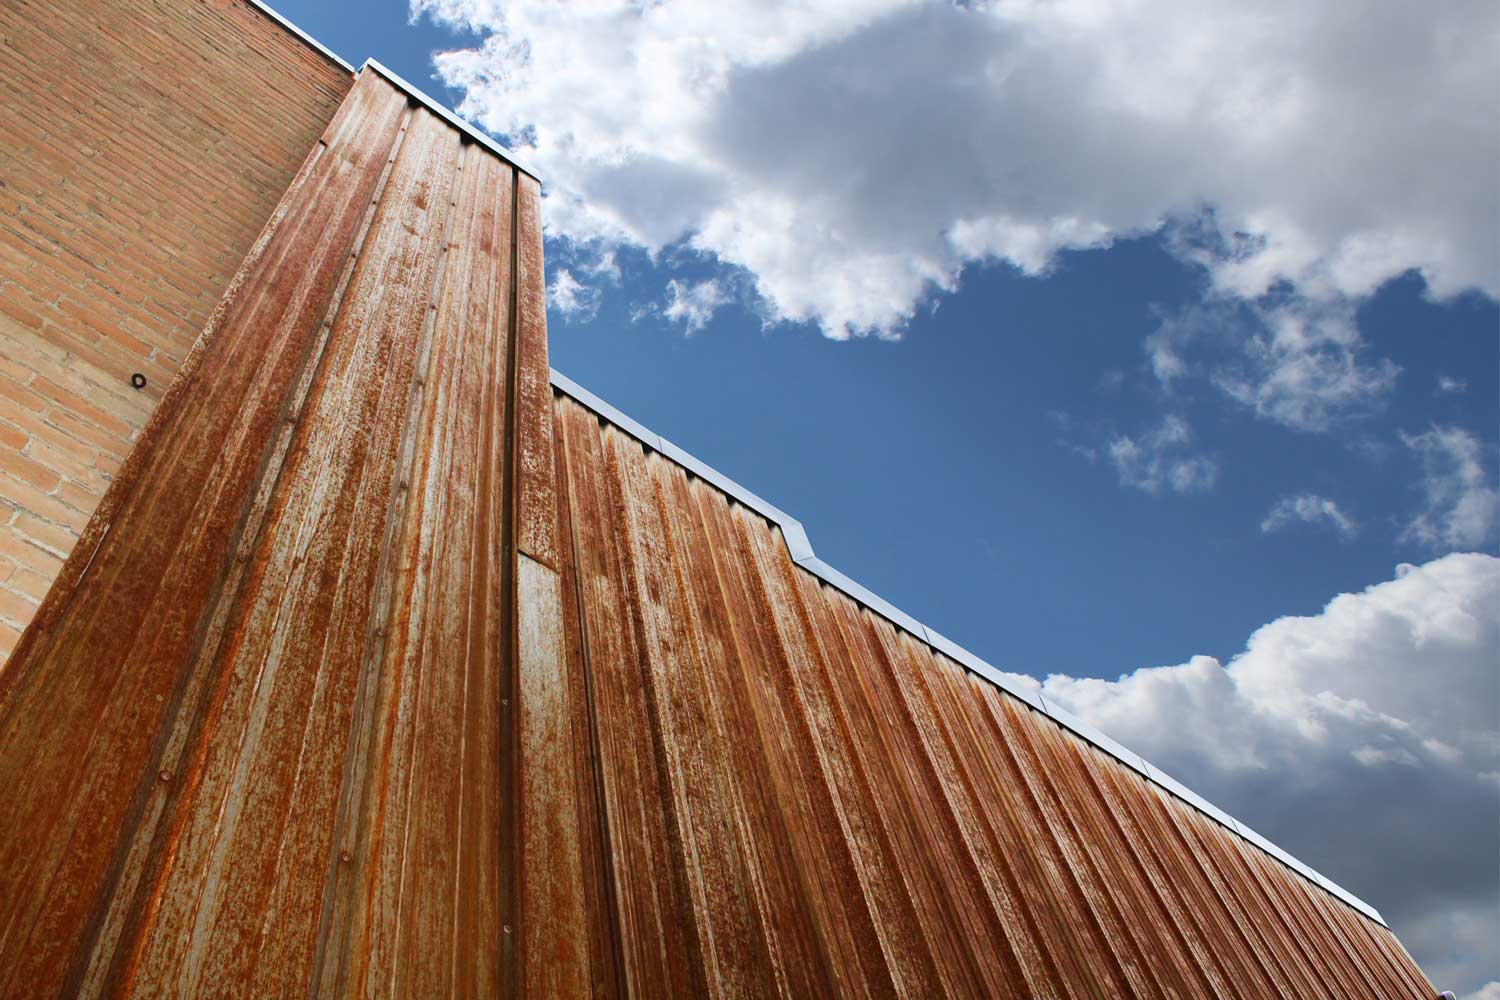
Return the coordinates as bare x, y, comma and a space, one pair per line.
437, 108
312, 42
801, 552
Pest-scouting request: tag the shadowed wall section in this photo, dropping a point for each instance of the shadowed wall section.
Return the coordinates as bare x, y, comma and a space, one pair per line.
261, 736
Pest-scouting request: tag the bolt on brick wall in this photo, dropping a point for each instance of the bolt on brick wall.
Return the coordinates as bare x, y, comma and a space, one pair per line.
144, 146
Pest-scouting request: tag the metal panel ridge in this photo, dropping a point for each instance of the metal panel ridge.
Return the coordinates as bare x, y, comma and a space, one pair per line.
437, 108
801, 553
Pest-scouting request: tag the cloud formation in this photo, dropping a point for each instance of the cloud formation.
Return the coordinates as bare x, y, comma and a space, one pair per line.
1300, 363
854, 156
1309, 508
1162, 460
693, 304
1364, 739
1461, 508
570, 297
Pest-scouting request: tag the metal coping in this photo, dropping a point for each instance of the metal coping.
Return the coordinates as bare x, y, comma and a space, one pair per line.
309, 39
801, 552
472, 131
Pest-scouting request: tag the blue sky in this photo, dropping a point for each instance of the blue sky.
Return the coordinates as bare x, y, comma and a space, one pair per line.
1096, 338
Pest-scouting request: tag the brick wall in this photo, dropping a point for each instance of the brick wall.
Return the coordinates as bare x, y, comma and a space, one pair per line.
142, 147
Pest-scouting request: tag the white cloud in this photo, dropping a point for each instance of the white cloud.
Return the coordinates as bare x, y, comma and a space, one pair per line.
1162, 459
1309, 508
604, 266
570, 297
1461, 507
693, 305
1299, 363
1364, 739
1489, 991
1450, 385
854, 155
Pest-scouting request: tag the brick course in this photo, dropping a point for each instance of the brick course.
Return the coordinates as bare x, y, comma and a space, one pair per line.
153, 143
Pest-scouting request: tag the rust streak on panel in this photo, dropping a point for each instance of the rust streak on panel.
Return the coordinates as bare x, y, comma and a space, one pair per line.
656, 923
554, 949
764, 686
1059, 753
754, 878
898, 895
536, 510
176, 506
935, 898
381, 670
1013, 884
690, 749
260, 835
554, 940
784, 915
599, 895
1201, 929
419, 783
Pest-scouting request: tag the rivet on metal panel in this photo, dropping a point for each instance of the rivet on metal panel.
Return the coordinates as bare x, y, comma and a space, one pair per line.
507, 928
504, 701
380, 633
165, 775
420, 380
345, 857
403, 484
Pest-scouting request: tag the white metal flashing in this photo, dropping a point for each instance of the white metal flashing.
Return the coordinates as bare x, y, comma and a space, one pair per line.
801, 552
1068, 720
1191, 797
309, 39
402, 84
472, 131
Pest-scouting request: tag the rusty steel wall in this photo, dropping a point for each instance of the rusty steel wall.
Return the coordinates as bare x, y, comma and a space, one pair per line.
261, 737
382, 668
794, 797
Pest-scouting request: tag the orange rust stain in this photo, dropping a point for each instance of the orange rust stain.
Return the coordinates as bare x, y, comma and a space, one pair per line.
257, 733
382, 669
790, 787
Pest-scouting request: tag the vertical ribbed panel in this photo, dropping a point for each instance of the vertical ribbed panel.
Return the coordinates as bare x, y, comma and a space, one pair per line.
796, 797
294, 718
383, 670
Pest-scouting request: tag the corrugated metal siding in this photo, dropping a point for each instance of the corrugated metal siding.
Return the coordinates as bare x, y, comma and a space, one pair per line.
260, 737
381, 668
799, 798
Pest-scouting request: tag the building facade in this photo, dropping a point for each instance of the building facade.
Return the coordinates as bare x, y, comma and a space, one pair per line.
356, 651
